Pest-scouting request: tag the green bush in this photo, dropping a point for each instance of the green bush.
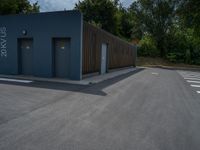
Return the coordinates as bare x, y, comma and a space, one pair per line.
181, 47
176, 57
195, 56
147, 47
188, 56
172, 57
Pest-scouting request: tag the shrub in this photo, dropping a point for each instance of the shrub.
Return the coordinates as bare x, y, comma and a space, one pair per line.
172, 57
147, 47
188, 56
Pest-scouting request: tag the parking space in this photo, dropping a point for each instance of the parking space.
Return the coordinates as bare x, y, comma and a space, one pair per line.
19, 97
193, 78
152, 109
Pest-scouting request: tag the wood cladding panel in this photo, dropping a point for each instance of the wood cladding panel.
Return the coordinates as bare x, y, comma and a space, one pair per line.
120, 53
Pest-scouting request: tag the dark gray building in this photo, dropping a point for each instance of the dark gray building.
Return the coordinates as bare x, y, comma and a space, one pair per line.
49, 45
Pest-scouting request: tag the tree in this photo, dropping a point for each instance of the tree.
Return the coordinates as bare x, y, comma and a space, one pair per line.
17, 7
103, 13
126, 23
190, 11
147, 47
156, 18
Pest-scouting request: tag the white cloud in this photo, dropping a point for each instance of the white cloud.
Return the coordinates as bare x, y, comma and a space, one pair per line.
56, 5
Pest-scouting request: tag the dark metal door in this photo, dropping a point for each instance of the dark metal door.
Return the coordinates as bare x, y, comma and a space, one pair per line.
62, 57
26, 56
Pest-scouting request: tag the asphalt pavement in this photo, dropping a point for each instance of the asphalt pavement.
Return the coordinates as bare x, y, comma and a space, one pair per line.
148, 109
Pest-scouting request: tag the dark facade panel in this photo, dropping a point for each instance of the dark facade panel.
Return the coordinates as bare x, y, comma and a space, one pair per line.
120, 53
42, 28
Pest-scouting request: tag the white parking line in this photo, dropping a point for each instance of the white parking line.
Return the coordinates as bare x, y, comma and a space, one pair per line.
192, 78
15, 80
193, 81
198, 86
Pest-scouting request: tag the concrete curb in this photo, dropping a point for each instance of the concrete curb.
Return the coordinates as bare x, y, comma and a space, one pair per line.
171, 67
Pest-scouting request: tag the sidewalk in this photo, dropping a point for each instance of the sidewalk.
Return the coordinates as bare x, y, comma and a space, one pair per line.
110, 75
85, 81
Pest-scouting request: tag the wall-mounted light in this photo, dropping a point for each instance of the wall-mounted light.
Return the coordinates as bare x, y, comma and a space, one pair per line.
24, 32
62, 47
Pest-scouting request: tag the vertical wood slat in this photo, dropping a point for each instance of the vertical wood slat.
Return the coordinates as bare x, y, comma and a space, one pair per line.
120, 53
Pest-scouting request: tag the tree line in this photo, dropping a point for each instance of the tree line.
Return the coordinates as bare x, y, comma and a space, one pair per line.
17, 7
161, 28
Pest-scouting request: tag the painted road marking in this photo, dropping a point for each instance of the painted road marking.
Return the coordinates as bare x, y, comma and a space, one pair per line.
193, 81
15, 80
192, 78
154, 73
198, 86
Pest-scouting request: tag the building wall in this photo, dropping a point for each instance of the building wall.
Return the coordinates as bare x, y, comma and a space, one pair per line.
42, 27
120, 53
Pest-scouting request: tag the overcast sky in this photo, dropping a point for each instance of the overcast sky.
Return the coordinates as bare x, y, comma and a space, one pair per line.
55, 5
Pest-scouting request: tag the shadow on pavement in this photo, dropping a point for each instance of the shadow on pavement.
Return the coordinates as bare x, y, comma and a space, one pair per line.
95, 89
